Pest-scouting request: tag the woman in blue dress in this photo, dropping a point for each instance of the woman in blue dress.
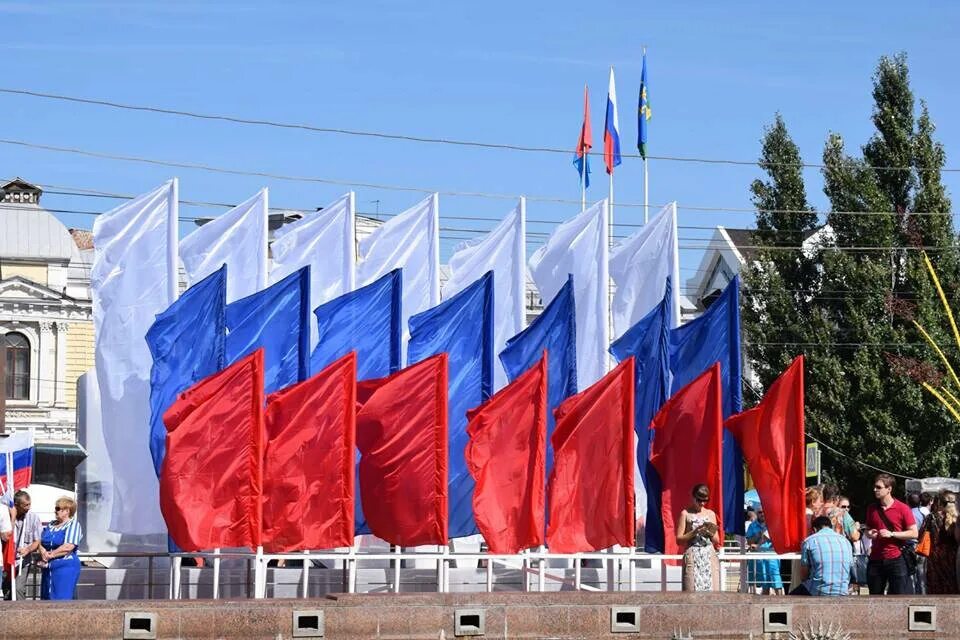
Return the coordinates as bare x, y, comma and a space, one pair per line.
58, 552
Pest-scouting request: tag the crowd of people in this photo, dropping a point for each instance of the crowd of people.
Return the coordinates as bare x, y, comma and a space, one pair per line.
899, 548
50, 549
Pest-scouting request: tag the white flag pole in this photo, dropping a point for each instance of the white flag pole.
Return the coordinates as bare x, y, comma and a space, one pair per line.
583, 184
646, 192
173, 242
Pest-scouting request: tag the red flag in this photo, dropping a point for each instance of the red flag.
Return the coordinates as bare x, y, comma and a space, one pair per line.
402, 438
211, 479
688, 450
585, 141
591, 486
308, 468
506, 456
771, 436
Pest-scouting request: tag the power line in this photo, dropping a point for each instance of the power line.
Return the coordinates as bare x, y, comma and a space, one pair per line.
424, 139
833, 449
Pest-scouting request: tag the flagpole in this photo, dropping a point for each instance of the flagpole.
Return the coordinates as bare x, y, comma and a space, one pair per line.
583, 184
646, 192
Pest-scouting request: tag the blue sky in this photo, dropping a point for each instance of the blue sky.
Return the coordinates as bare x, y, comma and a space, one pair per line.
494, 71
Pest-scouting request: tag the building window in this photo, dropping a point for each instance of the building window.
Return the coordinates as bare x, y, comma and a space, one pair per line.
18, 366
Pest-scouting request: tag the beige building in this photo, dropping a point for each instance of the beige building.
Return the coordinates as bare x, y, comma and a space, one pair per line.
46, 324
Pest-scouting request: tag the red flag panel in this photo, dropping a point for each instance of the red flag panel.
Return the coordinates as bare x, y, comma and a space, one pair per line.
506, 456
309, 461
211, 479
688, 450
590, 490
402, 438
772, 438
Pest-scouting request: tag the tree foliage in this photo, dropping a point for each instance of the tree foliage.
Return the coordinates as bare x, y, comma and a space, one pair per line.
849, 306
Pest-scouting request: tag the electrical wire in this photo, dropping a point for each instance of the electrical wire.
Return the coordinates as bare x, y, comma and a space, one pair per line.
423, 139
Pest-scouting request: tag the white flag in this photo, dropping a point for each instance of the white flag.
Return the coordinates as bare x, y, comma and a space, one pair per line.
640, 266
324, 240
502, 251
237, 239
133, 278
579, 247
408, 241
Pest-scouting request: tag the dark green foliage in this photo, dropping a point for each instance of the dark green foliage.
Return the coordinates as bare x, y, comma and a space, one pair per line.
850, 310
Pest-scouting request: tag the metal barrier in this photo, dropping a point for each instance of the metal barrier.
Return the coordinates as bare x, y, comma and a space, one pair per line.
533, 570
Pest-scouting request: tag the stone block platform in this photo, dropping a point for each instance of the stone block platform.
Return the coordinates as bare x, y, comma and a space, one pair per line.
487, 615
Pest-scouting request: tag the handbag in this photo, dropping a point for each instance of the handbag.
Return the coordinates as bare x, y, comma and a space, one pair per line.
907, 551
923, 546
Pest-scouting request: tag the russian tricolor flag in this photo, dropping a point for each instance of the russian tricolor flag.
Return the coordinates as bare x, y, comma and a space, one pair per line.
16, 463
611, 129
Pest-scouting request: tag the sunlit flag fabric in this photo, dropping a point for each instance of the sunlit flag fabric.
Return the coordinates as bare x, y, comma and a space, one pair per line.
640, 266
694, 347
502, 251
402, 438
408, 241
211, 480
133, 278
238, 239
772, 437
308, 466
687, 448
187, 345
461, 327
506, 456
276, 319
17, 454
579, 247
581, 158
647, 342
324, 241
611, 128
590, 492
365, 321
553, 331
643, 111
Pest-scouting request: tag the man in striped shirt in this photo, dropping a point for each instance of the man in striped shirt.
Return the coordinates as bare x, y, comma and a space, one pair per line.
826, 559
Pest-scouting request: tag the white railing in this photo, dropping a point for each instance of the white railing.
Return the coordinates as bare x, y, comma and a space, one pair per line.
357, 570
532, 564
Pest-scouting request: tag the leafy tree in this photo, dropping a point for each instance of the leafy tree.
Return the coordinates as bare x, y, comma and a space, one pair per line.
851, 307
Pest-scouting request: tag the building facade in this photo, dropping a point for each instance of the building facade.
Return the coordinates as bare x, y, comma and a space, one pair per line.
45, 324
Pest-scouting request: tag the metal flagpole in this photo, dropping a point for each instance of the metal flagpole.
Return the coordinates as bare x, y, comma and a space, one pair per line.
583, 183
646, 194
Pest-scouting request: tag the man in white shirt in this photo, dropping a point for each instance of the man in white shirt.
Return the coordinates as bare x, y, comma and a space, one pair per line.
27, 527
6, 528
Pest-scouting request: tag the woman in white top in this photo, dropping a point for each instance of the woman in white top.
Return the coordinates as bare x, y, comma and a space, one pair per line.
697, 529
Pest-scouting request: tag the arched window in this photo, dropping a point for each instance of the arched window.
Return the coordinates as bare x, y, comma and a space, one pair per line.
18, 366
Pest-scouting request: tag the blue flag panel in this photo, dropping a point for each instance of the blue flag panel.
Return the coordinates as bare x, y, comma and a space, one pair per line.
461, 327
187, 344
648, 342
367, 321
694, 347
277, 319
554, 330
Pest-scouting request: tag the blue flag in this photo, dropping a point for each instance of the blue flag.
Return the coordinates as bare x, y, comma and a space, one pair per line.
694, 347
187, 344
554, 330
366, 320
461, 327
277, 319
648, 341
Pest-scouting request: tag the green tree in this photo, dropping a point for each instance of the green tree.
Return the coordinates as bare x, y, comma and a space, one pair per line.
776, 286
850, 307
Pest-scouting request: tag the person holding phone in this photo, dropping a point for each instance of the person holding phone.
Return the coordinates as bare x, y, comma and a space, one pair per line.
697, 531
